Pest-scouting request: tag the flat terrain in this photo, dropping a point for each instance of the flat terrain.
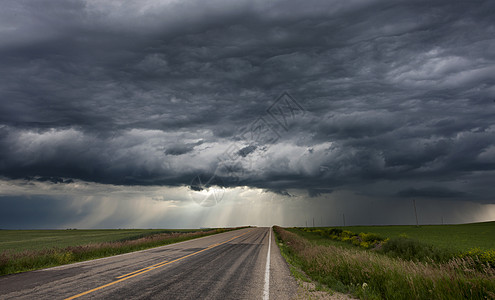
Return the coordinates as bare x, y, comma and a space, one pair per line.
411, 270
18, 240
230, 265
456, 237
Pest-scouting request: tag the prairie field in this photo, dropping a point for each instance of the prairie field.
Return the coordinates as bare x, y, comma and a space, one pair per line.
396, 262
20, 240
460, 237
26, 250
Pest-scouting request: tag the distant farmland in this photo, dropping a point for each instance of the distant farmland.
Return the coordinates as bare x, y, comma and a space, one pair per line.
19, 240
460, 237
25, 250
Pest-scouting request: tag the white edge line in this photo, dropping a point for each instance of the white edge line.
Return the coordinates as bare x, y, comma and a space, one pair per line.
128, 253
266, 290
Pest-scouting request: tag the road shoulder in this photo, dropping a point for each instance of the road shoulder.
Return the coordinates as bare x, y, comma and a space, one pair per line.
282, 284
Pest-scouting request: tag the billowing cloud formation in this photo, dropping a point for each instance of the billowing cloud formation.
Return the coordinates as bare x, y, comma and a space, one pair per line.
392, 99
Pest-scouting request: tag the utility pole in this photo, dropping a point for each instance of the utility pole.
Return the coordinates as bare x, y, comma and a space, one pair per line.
442, 220
415, 212
313, 222
343, 218
306, 223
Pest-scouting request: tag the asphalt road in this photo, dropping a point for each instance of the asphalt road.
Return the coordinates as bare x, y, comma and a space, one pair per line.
230, 265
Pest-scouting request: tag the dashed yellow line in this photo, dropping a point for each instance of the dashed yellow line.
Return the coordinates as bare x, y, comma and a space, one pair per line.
152, 267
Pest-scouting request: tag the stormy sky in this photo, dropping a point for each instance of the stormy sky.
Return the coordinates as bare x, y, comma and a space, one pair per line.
124, 114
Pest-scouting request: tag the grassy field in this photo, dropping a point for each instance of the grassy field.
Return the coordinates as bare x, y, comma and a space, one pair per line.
20, 240
360, 264
28, 250
456, 237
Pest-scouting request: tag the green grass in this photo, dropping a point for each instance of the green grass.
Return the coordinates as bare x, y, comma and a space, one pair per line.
368, 274
20, 240
319, 239
458, 238
31, 250
435, 242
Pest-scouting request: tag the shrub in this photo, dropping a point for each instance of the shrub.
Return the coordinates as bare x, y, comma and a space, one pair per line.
483, 256
370, 237
335, 231
364, 240
410, 249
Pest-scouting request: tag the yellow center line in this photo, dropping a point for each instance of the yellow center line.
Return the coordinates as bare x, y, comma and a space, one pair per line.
152, 267
141, 269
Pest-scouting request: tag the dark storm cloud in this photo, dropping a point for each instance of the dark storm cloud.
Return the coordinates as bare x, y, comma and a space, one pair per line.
319, 192
152, 93
180, 149
247, 150
430, 192
51, 179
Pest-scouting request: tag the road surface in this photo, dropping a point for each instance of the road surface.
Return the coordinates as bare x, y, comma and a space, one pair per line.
230, 265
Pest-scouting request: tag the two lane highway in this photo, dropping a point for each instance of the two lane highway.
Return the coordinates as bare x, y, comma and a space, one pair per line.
230, 265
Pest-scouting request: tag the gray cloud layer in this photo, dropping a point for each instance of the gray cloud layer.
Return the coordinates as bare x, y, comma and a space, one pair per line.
399, 95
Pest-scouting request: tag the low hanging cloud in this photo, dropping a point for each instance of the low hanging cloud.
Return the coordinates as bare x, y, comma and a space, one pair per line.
179, 149
431, 192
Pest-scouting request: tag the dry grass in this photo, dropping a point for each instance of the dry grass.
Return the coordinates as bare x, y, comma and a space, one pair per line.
309, 290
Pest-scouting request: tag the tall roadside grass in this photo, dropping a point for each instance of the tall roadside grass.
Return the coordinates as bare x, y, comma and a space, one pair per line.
401, 246
371, 275
15, 262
